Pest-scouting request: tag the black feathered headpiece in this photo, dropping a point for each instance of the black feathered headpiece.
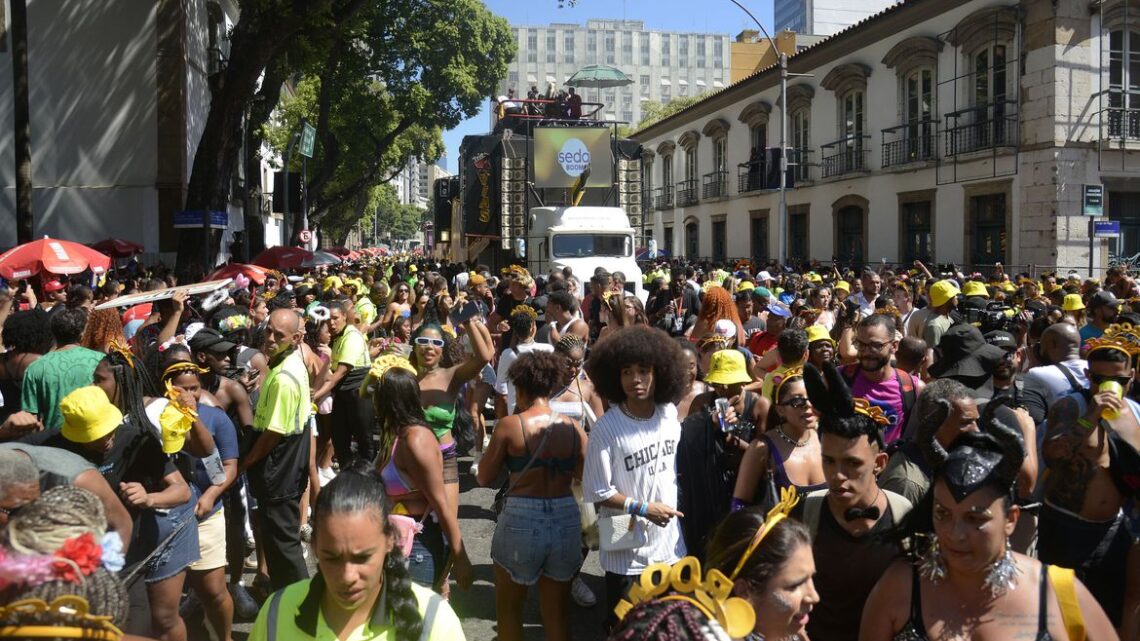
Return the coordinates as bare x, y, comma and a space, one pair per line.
992, 456
831, 397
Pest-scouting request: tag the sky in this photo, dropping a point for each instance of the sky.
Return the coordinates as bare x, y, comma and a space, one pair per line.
701, 16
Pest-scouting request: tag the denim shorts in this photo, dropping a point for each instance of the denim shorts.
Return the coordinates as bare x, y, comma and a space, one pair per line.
429, 555
180, 551
538, 537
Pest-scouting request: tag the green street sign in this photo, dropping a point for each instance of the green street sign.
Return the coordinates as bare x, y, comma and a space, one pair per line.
308, 139
1093, 200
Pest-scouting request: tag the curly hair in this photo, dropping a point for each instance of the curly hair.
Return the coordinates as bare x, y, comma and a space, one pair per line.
732, 537
103, 326
360, 490
67, 326
637, 345
717, 304
538, 374
27, 332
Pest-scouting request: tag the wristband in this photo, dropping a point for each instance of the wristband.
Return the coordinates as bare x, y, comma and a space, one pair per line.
628, 502
645, 509
736, 505
1085, 423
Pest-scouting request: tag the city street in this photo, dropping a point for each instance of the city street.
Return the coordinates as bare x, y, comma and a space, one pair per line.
476, 606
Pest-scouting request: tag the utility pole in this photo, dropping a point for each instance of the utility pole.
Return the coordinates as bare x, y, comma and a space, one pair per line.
21, 119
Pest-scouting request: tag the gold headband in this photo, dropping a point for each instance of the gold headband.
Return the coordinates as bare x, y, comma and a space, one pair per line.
119, 348
182, 366
74, 609
779, 512
795, 372
683, 581
383, 363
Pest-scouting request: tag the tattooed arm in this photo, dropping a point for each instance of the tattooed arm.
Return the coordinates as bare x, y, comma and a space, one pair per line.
1070, 453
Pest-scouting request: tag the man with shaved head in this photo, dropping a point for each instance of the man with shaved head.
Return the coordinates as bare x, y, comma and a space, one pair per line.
277, 464
1062, 370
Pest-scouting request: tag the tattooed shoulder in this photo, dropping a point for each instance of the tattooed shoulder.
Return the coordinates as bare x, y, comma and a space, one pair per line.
1065, 455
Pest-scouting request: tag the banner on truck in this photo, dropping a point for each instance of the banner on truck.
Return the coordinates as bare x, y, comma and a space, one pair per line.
481, 189
561, 154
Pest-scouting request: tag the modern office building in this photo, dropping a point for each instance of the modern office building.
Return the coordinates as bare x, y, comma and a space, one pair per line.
824, 17
663, 64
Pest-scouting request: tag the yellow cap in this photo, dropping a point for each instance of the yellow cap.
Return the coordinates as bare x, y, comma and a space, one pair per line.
941, 292
333, 282
727, 367
814, 277
844, 286
1008, 286
974, 288
88, 415
1073, 303
819, 333
413, 269
745, 286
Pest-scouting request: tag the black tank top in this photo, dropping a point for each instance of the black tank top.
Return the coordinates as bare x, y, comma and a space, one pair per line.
915, 628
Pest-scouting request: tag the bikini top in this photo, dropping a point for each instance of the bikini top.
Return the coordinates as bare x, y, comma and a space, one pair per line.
440, 419
395, 485
565, 465
915, 628
781, 476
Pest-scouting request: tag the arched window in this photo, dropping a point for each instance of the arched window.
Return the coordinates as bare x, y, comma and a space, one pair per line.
915, 60
850, 213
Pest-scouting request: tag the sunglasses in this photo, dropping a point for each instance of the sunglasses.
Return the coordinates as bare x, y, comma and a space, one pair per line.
1097, 380
796, 402
427, 340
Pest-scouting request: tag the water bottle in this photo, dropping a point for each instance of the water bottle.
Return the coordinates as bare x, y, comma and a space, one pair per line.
1114, 387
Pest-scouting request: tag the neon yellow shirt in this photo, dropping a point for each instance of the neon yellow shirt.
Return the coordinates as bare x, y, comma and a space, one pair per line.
350, 348
441, 623
284, 404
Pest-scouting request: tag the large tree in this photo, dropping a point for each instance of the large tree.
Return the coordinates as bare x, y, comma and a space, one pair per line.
390, 65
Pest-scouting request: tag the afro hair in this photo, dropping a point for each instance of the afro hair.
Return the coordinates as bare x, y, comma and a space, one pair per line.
638, 345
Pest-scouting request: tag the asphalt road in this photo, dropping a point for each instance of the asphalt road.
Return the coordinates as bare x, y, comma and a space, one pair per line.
476, 606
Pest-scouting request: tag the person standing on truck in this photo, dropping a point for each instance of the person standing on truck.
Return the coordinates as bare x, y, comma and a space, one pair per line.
573, 105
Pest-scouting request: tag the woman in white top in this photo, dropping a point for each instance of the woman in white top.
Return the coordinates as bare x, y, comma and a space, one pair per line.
523, 329
630, 461
578, 399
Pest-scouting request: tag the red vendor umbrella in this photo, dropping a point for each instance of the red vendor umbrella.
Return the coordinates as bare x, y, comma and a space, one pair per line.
281, 257
118, 248
51, 255
252, 272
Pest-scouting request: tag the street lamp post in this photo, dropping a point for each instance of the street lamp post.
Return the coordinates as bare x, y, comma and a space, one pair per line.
782, 217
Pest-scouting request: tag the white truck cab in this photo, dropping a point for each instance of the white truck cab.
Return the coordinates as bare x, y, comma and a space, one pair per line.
583, 238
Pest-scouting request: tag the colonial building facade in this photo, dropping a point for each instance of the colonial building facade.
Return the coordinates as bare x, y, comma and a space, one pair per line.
944, 130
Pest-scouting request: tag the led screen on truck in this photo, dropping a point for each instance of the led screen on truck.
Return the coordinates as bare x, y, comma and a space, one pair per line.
561, 154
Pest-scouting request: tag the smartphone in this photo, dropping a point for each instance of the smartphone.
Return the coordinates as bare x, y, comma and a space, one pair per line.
469, 310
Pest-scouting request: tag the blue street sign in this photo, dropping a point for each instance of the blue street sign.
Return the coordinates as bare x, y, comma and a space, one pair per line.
192, 219
1106, 229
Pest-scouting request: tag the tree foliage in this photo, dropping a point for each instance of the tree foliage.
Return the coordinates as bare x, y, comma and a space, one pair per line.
379, 79
653, 111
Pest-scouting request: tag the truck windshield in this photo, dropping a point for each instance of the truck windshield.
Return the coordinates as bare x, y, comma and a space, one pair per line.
580, 245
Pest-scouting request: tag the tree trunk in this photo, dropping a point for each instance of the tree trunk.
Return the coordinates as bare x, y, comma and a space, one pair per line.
22, 122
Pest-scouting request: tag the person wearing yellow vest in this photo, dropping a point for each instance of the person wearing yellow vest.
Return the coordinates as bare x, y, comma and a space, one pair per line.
362, 590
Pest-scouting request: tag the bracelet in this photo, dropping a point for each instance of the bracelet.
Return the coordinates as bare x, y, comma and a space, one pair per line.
628, 502
1085, 423
645, 509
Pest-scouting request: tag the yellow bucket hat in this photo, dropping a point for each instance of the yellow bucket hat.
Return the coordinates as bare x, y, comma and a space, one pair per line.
1073, 303
727, 367
843, 286
974, 288
941, 292
88, 415
819, 333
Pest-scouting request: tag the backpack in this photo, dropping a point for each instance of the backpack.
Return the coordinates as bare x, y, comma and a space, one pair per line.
906, 386
813, 507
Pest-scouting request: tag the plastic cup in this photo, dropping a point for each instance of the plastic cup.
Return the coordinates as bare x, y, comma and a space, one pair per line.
1115, 388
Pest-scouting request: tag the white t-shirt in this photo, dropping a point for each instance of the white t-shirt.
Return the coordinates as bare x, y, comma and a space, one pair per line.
510, 355
638, 459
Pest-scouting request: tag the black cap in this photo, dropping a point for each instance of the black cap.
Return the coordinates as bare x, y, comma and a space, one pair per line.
1103, 297
210, 340
1002, 339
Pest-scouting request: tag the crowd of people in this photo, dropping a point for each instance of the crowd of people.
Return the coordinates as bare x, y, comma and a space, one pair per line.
750, 453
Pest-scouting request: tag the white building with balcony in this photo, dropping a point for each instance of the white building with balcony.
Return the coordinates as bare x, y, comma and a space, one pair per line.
945, 130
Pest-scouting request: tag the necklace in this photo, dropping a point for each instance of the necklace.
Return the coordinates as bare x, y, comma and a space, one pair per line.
789, 440
631, 415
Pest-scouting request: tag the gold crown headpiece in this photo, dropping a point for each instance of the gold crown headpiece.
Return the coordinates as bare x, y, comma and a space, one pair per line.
525, 310
1123, 337
779, 512
795, 372
709, 339
683, 581
873, 412
72, 612
385, 362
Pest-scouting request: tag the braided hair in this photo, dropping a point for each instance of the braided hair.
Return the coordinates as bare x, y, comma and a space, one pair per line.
569, 343
667, 621
358, 489
132, 382
41, 527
